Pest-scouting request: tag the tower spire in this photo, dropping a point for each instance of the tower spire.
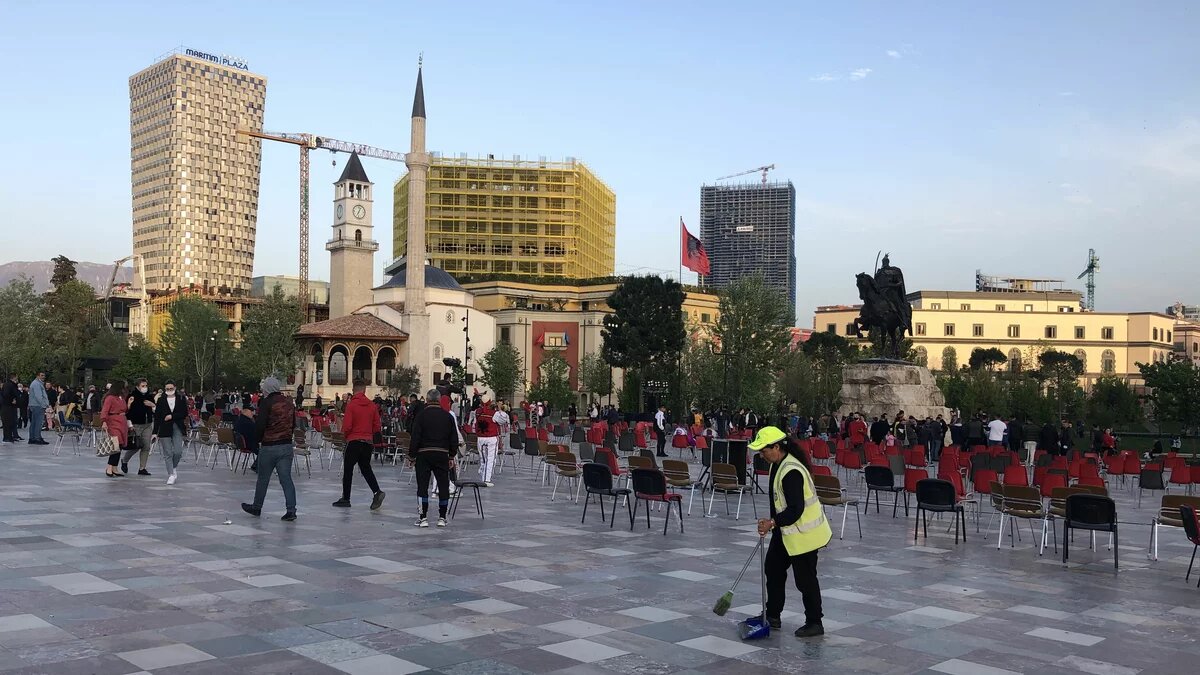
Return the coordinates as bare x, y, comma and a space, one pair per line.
419, 97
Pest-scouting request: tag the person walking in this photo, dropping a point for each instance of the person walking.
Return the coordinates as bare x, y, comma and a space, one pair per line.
660, 429
276, 420
10, 398
141, 413
798, 529
38, 403
360, 423
487, 430
433, 448
170, 427
116, 424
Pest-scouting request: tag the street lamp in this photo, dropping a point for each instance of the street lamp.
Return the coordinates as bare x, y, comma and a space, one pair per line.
214, 363
724, 354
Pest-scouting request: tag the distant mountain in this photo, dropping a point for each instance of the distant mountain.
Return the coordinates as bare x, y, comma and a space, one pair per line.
95, 274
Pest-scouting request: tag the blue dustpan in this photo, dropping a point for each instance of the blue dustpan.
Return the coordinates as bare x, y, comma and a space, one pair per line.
754, 628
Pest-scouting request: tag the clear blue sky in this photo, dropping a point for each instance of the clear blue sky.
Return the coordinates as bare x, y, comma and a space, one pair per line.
957, 136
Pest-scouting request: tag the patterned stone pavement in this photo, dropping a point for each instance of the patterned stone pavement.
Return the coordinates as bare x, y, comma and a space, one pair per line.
116, 576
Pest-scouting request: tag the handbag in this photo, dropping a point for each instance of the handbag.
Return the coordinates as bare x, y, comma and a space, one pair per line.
105, 446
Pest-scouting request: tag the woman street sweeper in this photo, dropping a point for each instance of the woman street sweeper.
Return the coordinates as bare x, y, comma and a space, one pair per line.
798, 529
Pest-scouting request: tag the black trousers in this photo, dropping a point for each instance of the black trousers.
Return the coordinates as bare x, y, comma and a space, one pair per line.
8, 417
662, 442
804, 572
437, 464
358, 452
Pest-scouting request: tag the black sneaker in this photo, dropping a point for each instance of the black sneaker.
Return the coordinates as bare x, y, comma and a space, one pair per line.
143, 472
251, 509
810, 630
124, 467
377, 500
774, 622
289, 516
342, 503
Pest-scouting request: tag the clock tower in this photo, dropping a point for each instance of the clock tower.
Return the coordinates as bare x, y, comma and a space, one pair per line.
352, 248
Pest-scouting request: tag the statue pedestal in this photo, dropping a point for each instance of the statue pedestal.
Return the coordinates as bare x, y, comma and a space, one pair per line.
882, 387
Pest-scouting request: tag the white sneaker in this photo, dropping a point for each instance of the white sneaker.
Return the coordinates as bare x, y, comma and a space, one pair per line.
422, 522
171, 479
441, 522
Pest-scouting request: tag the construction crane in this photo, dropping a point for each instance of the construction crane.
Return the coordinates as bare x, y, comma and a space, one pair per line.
1093, 266
308, 142
139, 286
763, 169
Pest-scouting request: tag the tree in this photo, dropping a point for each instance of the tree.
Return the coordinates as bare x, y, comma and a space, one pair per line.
645, 329
74, 317
553, 384
595, 376
23, 347
402, 381
986, 359
268, 347
752, 329
1113, 403
139, 358
1060, 372
501, 370
196, 332
64, 271
1175, 392
701, 375
828, 354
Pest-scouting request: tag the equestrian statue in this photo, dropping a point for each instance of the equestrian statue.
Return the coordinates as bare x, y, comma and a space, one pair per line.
885, 314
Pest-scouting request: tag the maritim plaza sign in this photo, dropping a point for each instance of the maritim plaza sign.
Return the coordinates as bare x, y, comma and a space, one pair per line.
223, 59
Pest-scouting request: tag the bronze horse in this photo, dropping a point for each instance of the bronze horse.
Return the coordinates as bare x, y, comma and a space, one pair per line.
884, 317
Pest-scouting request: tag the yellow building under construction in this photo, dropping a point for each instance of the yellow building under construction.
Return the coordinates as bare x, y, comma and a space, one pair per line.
523, 218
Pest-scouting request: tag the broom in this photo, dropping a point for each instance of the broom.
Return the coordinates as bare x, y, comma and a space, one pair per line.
726, 599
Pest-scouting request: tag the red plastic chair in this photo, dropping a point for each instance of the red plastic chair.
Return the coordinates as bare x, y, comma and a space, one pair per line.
543, 434
1091, 481
701, 442
821, 470
915, 456
1132, 465
1051, 481
1182, 476
1015, 475
819, 449
911, 476
983, 481
680, 443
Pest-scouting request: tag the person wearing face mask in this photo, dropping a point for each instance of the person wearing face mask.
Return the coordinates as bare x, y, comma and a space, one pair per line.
170, 424
141, 419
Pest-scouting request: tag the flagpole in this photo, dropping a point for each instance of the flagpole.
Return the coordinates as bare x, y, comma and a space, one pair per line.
681, 250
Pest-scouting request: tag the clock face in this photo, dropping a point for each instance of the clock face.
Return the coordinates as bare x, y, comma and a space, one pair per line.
360, 212
341, 211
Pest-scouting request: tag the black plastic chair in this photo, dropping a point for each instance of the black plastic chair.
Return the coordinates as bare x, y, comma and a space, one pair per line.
463, 486
625, 443
579, 435
1150, 479
598, 480
1191, 527
516, 441
650, 485
937, 495
1093, 513
881, 479
980, 460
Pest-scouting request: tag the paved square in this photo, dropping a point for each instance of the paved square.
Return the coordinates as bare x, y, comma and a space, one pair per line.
165, 586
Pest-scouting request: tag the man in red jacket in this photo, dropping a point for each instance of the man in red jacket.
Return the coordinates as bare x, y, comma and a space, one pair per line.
360, 423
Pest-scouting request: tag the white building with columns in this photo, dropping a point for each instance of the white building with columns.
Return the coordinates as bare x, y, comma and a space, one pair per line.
411, 319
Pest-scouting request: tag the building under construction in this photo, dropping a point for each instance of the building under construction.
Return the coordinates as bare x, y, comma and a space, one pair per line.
750, 229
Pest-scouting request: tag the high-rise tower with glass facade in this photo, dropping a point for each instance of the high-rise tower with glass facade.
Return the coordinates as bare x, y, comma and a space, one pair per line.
195, 182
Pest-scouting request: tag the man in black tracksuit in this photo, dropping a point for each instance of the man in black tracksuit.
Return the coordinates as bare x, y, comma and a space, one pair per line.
433, 449
10, 398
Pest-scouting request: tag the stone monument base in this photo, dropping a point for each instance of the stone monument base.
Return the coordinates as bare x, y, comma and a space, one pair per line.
883, 387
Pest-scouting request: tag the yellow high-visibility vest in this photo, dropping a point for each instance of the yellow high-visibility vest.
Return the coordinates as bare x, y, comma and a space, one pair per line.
812, 530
